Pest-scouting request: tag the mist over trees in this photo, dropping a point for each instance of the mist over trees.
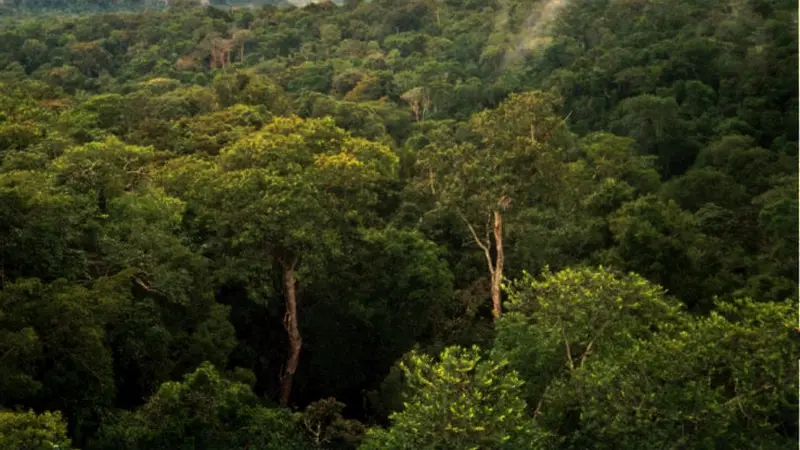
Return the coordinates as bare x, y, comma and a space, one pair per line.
413, 224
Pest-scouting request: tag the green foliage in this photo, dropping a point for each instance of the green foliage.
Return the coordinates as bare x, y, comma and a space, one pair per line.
699, 187
568, 220
459, 401
156, 180
57, 352
209, 133
105, 169
660, 241
723, 380
495, 177
611, 363
204, 411
29, 431
390, 289
655, 124
41, 227
290, 187
327, 428
613, 157
563, 321
250, 89
359, 120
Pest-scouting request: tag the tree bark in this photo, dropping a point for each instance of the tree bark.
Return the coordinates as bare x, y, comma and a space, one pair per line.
497, 273
495, 264
290, 322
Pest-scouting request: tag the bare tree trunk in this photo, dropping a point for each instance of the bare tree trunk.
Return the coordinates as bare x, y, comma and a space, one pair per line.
495, 264
292, 329
497, 273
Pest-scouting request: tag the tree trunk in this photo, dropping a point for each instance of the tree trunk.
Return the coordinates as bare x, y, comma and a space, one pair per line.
497, 273
292, 329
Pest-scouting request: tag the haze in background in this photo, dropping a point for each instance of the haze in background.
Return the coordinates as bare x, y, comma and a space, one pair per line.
535, 31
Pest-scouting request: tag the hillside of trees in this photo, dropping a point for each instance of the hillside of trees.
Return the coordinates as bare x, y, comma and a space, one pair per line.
406, 224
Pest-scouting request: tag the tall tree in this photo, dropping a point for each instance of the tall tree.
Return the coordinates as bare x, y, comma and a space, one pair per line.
283, 197
460, 400
514, 159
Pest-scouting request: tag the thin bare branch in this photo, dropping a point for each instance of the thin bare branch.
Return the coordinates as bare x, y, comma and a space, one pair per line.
483, 245
538, 411
586, 353
599, 334
569, 350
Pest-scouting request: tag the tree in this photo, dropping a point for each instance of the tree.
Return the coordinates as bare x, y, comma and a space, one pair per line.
616, 364
748, 165
157, 297
89, 57
460, 400
773, 275
249, 88
241, 38
104, 170
662, 242
209, 133
53, 335
517, 149
654, 122
388, 290
614, 157
34, 51
698, 187
285, 197
330, 36
29, 431
419, 100
568, 222
327, 428
160, 311
724, 379
559, 324
41, 227
105, 111
219, 50
356, 118
204, 411
139, 236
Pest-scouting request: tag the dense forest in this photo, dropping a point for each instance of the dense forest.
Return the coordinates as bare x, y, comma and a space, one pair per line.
406, 224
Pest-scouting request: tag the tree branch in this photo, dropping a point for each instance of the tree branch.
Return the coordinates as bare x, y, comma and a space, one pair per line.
481, 244
585, 354
569, 350
599, 334
143, 284
538, 411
